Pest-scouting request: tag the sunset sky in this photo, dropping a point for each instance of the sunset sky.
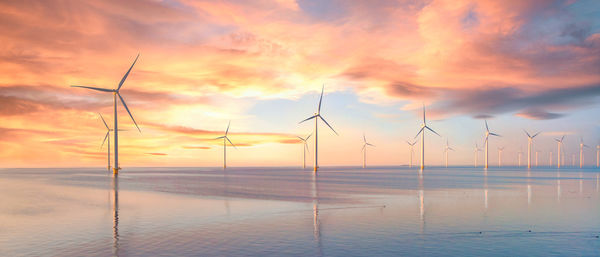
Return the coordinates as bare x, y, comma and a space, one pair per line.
519, 64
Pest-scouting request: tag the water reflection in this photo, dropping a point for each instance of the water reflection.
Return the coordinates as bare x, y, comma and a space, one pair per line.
528, 188
316, 221
421, 202
115, 184
580, 182
485, 189
558, 186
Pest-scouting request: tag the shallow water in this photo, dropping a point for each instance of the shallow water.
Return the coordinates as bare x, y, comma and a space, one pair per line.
457, 211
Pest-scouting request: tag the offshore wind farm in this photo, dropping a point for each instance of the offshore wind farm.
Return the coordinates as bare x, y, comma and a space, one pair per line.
419, 94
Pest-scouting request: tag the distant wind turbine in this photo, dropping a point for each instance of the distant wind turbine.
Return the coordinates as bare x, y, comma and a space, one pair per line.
581, 146
500, 149
422, 132
520, 153
550, 159
304, 149
116, 93
529, 146
477, 150
364, 150
559, 153
318, 116
446, 149
487, 135
536, 157
410, 148
597, 155
225, 140
108, 130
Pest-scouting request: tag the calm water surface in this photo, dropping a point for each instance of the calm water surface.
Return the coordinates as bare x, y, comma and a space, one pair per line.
387, 211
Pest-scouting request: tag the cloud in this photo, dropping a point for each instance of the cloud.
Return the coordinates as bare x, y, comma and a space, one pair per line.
536, 114
196, 147
159, 154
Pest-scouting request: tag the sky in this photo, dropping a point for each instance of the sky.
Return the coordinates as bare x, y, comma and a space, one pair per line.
518, 64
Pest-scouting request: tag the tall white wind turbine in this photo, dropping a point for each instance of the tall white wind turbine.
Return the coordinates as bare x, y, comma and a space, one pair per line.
364, 150
529, 146
304, 149
487, 135
410, 149
500, 149
116, 94
422, 132
225, 140
107, 136
447, 148
318, 116
581, 146
560, 152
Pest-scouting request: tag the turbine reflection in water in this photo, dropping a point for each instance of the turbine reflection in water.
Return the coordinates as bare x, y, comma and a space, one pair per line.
115, 181
316, 222
421, 196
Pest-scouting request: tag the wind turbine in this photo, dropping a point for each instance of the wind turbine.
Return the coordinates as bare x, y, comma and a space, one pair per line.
116, 93
422, 132
520, 153
304, 149
108, 130
225, 140
597, 155
581, 146
477, 150
529, 145
536, 157
318, 116
446, 149
500, 149
550, 159
487, 135
559, 153
410, 148
364, 149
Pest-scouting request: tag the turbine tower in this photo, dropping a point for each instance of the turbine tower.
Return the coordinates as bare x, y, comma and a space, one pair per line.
536, 158
559, 153
108, 130
500, 149
318, 116
116, 93
520, 153
529, 146
446, 149
304, 149
581, 146
550, 159
422, 132
410, 148
364, 150
477, 150
487, 135
225, 140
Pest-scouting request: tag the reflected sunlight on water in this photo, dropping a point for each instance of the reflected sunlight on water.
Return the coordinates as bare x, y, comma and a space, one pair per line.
285, 211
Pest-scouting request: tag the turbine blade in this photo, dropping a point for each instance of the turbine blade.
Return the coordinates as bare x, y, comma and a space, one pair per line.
562, 138
310, 118
231, 142
301, 138
370, 144
227, 130
432, 131
128, 112
328, 125
308, 137
364, 138
306, 146
104, 141
450, 148
494, 134
486, 126
96, 88
420, 131
536, 134
527, 133
424, 121
364, 146
219, 137
127, 73
106, 125
320, 99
